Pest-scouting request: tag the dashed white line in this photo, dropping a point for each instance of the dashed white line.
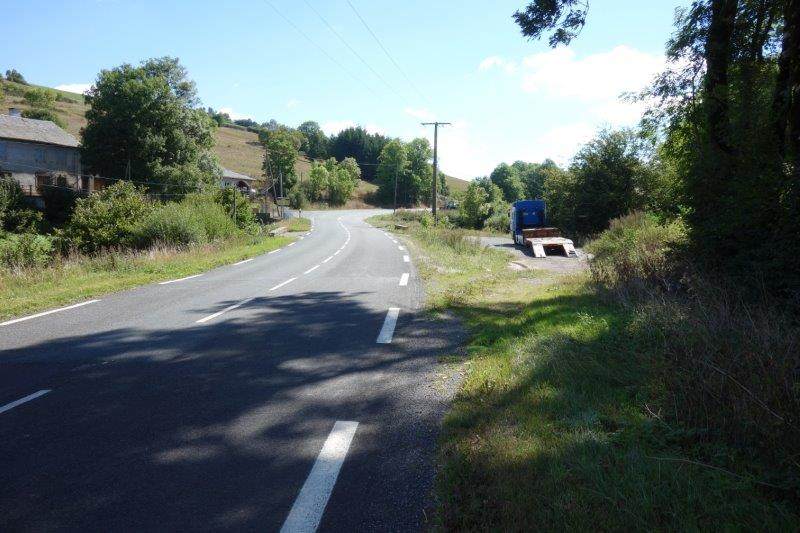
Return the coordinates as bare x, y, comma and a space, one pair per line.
179, 279
279, 285
312, 269
229, 308
389, 323
406, 259
45, 313
243, 262
394, 241
328, 259
401, 248
292, 243
310, 504
404, 279
274, 251
29, 397
337, 252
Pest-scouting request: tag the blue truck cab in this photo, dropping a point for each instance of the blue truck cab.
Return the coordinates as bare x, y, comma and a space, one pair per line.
526, 214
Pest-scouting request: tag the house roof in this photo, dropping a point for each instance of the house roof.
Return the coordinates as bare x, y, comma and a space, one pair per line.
230, 174
32, 130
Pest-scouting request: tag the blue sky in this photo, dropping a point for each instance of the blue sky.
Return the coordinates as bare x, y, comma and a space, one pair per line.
466, 60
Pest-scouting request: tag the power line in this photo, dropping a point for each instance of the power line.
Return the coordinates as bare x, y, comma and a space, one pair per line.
321, 49
385, 51
342, 39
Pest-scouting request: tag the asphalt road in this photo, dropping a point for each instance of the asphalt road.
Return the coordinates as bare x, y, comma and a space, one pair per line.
253, 397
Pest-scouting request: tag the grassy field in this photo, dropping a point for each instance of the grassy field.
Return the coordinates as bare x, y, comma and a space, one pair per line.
296, 224
77, 279
557, 423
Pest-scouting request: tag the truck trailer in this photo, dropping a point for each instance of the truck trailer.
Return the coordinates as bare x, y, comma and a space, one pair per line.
528, 221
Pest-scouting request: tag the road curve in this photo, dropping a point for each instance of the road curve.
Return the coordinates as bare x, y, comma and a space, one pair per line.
298, 390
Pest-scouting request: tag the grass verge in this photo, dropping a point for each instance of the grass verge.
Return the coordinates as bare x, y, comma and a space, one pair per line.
296, 224
558, 424
76, 279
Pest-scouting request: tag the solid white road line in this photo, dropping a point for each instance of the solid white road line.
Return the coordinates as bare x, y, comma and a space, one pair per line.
179, 279
229, 308
389, 323
404, 279
310, 504
312, 269
279, 285
406, 259
337, 252
29, 397
44, 313
328, 259
243, 262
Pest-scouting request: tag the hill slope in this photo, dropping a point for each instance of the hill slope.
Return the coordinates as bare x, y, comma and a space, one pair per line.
237, 150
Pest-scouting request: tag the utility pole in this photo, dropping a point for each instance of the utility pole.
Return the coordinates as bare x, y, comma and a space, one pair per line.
435, 161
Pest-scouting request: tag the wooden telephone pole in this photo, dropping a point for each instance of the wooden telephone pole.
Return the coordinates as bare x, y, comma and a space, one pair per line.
435, 161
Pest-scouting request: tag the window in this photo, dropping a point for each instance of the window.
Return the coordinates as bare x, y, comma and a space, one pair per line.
39, 155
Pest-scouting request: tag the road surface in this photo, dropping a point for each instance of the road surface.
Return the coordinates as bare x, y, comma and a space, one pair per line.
298, 390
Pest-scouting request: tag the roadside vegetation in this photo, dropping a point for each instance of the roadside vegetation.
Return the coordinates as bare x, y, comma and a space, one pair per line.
606, 398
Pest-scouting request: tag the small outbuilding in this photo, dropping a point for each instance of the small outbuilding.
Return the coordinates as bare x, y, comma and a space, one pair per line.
243, 182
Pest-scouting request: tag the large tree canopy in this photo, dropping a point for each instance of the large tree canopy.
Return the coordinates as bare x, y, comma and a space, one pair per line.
140, 123
315, 143
362, 146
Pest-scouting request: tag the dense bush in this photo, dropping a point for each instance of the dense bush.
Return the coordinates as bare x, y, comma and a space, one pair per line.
59, 199
25, 250
297, 198
636, 249
170, 224
44, 114
15, 216
108, 218
232, 199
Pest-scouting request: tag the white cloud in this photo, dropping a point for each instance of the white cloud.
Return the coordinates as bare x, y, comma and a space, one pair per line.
292, 103
79, 88
335, 126
233, 114
559, 143
597, 80
421, 114
510, 67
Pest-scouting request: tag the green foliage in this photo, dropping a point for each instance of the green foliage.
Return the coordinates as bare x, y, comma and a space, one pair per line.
59, 199
341, 184
415, 187
474, 207
108, 218
142, 119
281, 147
44, 114
364, 147
637, 249
565, 18
14, 76
198, 218
42, 98
297, 198
333, 181
508, 179
228, 197
15, 216
391, 169
315, 142
25, 250
317, 182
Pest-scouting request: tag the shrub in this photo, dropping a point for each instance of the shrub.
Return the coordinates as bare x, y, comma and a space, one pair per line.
244, 216
173, 224
40, 98
297, 198
108, 218
59, 200
25, 250
498, 220
15, 76
15, 216
216, 223
636, 249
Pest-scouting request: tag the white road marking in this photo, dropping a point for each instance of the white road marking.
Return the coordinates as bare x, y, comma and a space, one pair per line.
404, 279
406, 259
29, 397
44, 313
310, 504
328, 259
389, 323
229, 308
312, 269
401, 248
394, 241
279, 285
337, 252
292, 243
274, 251
179, 279
243, 262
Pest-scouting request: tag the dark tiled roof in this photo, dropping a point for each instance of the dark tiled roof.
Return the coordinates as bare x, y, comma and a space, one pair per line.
40, 131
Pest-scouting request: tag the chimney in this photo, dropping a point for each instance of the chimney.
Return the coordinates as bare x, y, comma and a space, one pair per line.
14, 112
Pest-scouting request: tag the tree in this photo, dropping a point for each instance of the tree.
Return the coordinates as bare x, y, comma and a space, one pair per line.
16, 77
474, 207
364, 147
391, 169
507, 178
140, 123
340, 186
317, 182
40, 98
280, 155
565, 17
532, 176
315, 143
416, 185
